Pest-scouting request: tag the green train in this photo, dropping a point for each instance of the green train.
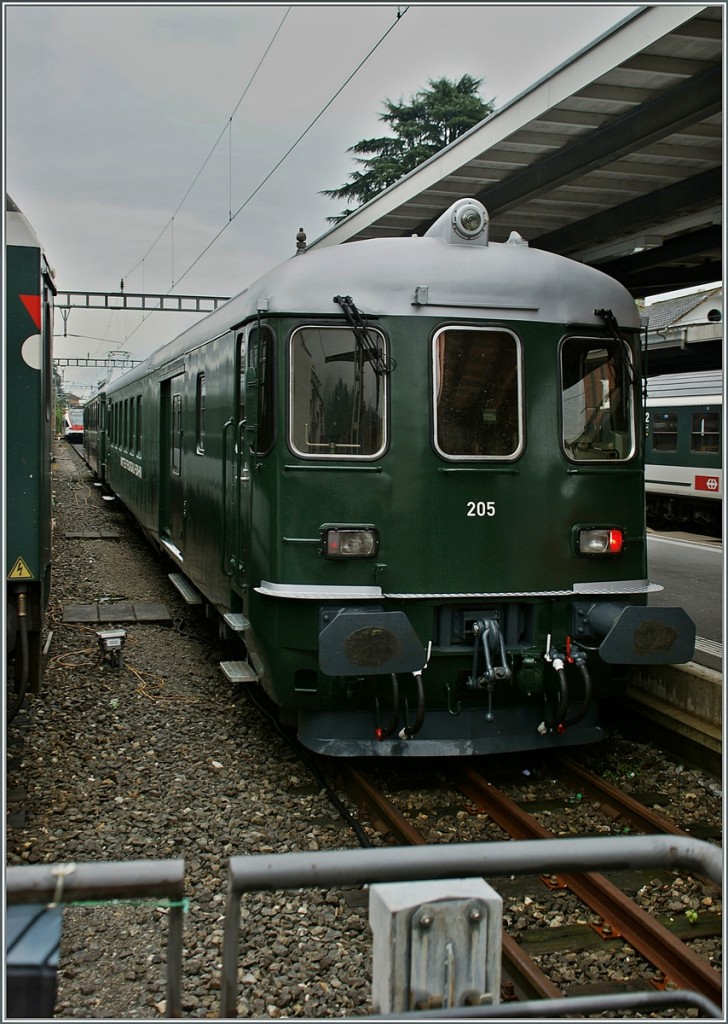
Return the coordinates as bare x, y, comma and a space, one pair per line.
408, 475
29, 292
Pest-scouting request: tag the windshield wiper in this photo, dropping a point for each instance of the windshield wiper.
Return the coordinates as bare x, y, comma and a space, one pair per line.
379, 362
611, 323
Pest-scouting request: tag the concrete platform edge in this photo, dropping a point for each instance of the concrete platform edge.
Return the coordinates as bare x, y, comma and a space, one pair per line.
690, 690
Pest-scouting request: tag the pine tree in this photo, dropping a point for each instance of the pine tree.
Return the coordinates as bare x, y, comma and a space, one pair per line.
433, 118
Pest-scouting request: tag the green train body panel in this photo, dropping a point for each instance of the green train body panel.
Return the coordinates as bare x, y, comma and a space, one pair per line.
223, 447
28, 458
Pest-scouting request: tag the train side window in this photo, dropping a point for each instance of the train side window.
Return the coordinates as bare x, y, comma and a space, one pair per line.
177, 435
241, 378
705, 435
201, 394
477, 393
139, 424
597, 419
132, 425
337, 394
664, 432
260, 358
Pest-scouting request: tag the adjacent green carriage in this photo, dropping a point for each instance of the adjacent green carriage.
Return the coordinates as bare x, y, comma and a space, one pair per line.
29, 291
408, 475
684, 450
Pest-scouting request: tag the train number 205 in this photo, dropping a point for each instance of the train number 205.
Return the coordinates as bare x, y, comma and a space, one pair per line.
481, 508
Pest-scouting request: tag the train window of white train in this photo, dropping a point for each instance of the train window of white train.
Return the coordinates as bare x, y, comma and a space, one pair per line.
337, 394
664, 432
477, 393
705, 436
597, 420
200, 413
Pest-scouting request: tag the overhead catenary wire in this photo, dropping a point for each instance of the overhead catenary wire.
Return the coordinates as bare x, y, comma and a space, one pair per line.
226, 128
300, 138
269, 175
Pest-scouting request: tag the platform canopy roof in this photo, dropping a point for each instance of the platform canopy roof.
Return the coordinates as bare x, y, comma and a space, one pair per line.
613, 159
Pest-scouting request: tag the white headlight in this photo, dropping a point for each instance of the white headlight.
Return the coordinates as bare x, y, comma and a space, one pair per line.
349, 542
600, 542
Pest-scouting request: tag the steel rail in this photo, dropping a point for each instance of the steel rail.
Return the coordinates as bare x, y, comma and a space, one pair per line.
652, 940
643, 817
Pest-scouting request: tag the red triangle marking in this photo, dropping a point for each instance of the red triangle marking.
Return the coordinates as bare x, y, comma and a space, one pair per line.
32, 304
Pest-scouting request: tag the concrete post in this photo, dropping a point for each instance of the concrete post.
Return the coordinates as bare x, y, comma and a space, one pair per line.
436, 944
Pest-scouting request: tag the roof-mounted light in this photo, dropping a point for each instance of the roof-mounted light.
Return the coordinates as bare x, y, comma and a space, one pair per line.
465, 221
469, 219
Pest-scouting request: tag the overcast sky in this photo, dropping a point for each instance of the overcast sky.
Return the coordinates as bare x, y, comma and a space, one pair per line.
112, 110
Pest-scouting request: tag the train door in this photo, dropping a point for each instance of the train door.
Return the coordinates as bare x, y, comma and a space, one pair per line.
242, 464
171, 483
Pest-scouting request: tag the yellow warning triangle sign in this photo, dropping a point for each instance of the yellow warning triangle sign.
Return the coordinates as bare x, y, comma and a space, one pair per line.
20, 571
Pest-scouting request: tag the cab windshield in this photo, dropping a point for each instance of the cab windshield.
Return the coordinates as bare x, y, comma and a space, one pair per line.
338, 394
477, 382
596, 400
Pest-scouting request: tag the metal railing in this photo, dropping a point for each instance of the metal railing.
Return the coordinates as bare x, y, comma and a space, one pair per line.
333, 868
164, 879
111, 880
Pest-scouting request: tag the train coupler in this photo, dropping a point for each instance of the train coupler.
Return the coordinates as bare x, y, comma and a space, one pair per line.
487, 634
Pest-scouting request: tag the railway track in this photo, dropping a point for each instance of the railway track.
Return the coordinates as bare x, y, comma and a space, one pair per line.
664, 960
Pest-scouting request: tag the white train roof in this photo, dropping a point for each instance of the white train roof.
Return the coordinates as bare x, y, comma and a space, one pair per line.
672, 387
440, 274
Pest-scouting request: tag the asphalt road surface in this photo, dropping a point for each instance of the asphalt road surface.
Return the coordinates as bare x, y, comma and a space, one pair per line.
692, 571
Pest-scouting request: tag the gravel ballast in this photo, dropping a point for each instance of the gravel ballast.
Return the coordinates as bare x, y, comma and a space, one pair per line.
164, 759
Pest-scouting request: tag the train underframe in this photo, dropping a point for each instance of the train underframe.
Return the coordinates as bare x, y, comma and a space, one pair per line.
23, 643
494, 680
701, 514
